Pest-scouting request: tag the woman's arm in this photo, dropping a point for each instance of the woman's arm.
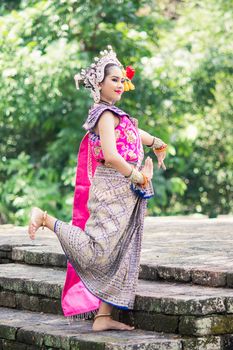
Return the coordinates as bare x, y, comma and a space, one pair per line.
148, 139
158, 146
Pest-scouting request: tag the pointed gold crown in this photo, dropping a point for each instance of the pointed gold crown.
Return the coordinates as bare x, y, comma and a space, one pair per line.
95, 73
91, 76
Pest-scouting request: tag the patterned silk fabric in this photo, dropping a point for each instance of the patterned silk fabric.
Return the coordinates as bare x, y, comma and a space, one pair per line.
106, 253
96, 111
127, 141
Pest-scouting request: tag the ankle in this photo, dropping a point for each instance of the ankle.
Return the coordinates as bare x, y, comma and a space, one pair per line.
102, 315
44, 219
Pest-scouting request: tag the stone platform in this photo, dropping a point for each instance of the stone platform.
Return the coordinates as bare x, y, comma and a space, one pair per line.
184, 297
183, 249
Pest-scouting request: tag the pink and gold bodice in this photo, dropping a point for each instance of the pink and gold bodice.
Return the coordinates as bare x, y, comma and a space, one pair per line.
128, 141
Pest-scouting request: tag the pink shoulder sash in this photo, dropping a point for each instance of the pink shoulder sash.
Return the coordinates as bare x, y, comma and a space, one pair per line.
76, 299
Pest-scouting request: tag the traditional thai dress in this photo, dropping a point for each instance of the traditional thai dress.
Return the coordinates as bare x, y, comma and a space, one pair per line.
103, 244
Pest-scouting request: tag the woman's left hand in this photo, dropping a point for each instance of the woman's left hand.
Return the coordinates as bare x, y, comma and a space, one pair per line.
161, 156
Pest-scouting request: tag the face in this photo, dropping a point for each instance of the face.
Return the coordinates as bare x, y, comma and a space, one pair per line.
113, 85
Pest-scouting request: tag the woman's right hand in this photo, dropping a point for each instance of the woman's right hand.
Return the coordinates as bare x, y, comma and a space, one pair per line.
148, 168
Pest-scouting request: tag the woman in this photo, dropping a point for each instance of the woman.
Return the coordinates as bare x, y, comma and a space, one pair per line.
104, 250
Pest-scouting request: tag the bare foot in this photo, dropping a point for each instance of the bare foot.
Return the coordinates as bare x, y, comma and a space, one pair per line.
35, 221
106, 323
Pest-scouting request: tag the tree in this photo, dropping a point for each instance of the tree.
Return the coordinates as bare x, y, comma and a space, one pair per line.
181, 51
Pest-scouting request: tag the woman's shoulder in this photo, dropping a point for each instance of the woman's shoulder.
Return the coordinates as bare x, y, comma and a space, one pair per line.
98, 109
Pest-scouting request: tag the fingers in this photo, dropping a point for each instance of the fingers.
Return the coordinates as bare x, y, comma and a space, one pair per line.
163, 166
149, 166
160, 161
32, 227
160, 155
149, 161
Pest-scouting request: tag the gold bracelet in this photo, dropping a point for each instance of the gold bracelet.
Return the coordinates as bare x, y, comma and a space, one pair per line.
161, 149
128, 176
157, 143
151, 144
136, 176
146, 181
45, 214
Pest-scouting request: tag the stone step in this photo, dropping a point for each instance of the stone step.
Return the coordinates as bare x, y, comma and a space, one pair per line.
54, 257
187, 250
212, 276
26, 330
159, 306
23, 330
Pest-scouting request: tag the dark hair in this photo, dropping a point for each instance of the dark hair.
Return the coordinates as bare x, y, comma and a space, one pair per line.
107, 69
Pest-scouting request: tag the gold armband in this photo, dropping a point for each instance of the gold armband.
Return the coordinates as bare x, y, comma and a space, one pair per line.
157, 144
137, 177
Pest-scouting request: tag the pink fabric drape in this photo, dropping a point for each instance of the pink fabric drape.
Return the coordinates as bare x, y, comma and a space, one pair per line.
76, 299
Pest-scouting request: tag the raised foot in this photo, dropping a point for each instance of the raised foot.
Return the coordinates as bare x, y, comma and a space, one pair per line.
106, 323
35, 221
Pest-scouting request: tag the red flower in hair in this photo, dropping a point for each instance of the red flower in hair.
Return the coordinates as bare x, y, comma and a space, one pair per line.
130, 72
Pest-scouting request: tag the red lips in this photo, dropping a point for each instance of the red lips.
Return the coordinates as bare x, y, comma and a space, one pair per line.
119, 91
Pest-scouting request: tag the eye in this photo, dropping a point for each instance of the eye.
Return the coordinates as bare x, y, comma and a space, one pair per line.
122, 81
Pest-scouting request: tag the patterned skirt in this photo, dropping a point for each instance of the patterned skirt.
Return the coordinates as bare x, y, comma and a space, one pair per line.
106, 255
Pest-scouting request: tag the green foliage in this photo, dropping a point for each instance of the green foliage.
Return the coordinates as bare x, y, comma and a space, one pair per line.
192, 71
183, 58
28, 184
